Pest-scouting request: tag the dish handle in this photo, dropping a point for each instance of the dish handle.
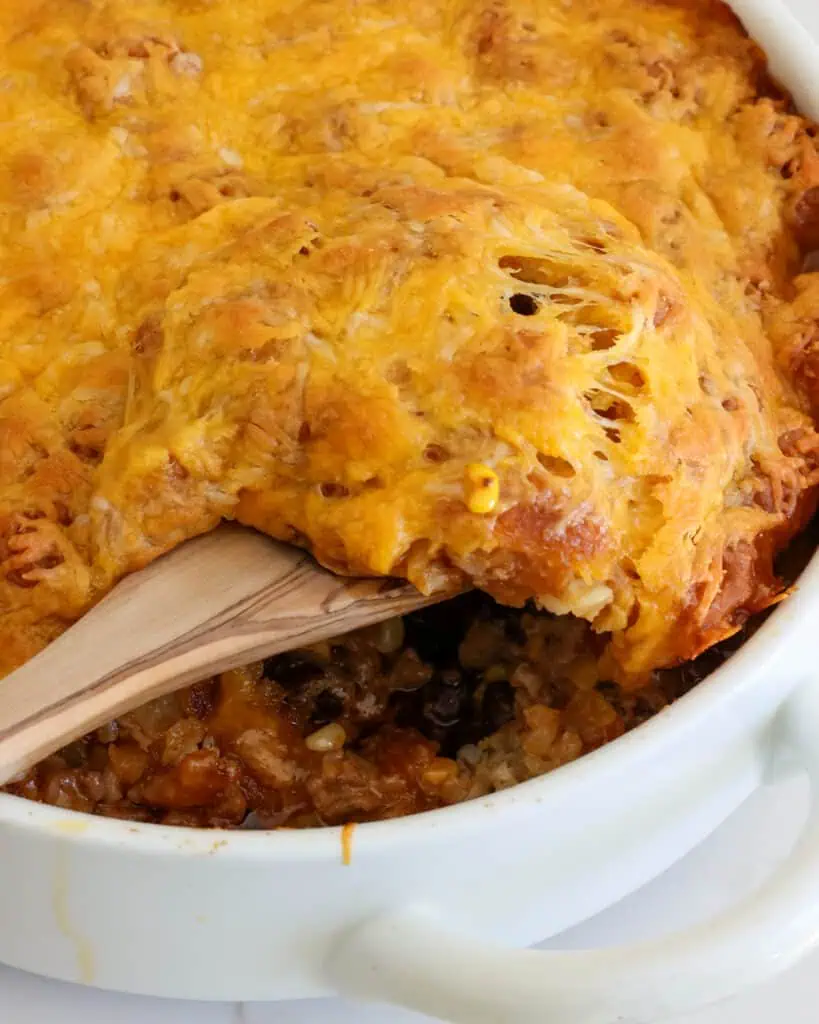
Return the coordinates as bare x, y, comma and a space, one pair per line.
409, 958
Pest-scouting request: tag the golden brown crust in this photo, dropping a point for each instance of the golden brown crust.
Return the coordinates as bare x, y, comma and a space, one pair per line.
331, 270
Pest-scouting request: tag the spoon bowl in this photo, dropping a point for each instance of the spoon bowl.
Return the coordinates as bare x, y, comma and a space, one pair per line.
216, 602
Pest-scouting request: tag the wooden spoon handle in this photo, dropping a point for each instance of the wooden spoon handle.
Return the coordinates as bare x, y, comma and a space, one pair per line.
219, 601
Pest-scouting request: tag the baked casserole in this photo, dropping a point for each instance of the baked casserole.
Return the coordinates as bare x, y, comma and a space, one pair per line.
506, 294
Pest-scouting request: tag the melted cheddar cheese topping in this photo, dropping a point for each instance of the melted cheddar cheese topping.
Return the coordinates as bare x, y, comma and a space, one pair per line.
502, 292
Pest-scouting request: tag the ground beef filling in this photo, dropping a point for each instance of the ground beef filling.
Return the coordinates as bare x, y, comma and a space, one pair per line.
446, 704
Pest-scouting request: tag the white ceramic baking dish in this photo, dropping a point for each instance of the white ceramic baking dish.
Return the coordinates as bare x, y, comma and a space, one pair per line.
430, 909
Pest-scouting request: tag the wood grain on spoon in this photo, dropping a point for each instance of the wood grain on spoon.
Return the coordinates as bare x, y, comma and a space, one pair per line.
216, 602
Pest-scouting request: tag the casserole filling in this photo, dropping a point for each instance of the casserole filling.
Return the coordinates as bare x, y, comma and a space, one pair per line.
456, 701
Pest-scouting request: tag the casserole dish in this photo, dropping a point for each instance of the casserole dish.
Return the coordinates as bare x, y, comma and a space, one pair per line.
209, 915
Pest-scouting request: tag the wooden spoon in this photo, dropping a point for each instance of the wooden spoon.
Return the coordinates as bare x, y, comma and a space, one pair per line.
219, 601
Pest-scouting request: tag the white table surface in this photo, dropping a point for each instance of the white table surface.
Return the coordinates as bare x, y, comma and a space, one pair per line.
735, 859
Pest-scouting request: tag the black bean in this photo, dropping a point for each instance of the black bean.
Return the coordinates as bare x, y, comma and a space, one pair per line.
497, 707
510, 618
512, 625
436, 633
406, 707
292, 669
611, 691
709, 661
444, 699
360, 666
641, 712
75, 754
327, 707
438, 710
430, 640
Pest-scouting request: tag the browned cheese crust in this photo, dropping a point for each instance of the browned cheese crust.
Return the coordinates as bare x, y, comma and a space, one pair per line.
502, 292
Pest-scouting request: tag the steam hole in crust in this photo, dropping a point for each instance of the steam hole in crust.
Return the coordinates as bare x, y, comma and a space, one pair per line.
523, 304
556, 465
627, 375
532, 270
333, 490
609, 407
602, 339
436, 453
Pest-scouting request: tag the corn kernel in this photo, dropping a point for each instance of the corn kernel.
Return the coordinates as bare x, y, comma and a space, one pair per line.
327, 738
441, 770
389, 635
483, 489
